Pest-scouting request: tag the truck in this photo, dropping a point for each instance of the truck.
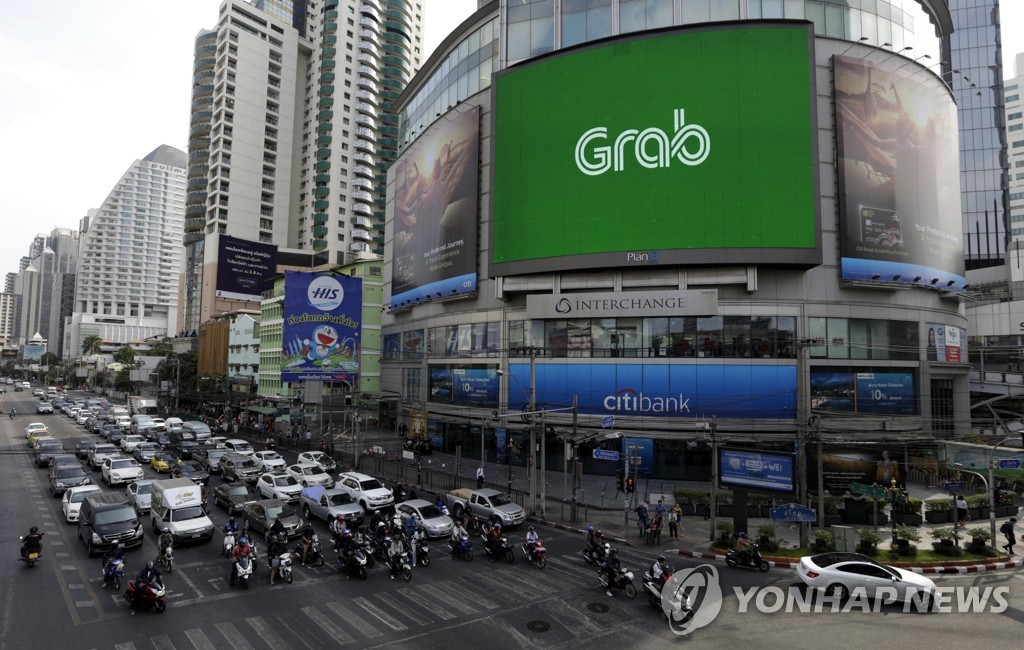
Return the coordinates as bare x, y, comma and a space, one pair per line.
138, 405
485, 503
177, 505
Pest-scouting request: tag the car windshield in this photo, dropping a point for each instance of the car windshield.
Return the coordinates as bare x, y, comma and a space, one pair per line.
430, 512
105, 449
144, 488
123, 464
115, 516
370, 484
163, 457
284, 481
828, 559
271, 455
238, 490
247, 463
70, 471
184, 514
499, 500
47, 445
273, 512
242, 446
342, 499
79, 496
86, 445
310, 470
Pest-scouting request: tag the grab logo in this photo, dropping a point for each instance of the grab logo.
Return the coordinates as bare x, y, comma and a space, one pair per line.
651, 147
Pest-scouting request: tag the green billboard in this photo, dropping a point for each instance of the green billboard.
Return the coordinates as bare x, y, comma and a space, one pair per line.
692, 146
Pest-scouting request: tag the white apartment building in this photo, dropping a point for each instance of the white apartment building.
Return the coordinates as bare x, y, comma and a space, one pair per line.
6, 318
1013, 89
130, 256
292, 132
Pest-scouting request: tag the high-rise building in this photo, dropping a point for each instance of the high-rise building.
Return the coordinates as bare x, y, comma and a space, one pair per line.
130, 260
1015, 141
51, 258
7, 300
973, 69
292, 132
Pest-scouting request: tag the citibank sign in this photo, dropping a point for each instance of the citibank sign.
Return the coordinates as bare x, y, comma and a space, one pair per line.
701, 302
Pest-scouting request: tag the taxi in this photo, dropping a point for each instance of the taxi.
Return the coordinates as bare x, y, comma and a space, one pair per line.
34, 439
162, 461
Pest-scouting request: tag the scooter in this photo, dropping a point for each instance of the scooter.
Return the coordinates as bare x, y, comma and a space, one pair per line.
30, 556
167, 559
596, 558
314, 556
500, 549
462, 548
229, 542
535, 552
355, 566
422, 552
652, 588
150, 596
113, 571
750, 560
623, 579
400, 565
284, 568
243, 571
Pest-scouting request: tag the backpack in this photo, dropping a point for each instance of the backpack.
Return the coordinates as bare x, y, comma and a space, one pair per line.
1006, 528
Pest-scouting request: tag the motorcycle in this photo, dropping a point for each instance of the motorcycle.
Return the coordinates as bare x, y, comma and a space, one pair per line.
354, 566
242, 571
462, 548
422, 553
652, 588
623, 579
229, 542
30, 556
113, 571
284, 568
400, 565
149, 596
314, 556
500, 549
535, 552
750, 560
596, 558
167, 559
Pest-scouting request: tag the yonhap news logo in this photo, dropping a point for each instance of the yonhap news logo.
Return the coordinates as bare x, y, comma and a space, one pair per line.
691, 599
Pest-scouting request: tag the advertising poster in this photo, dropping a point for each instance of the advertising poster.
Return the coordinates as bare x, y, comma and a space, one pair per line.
881, 393
899, 174
642, 448
633, 159
842, 466
413, 344
435, 210
465, 386
756, 470
441, 389
943, 342
500, 445
244, 268
322, 327
33, 351
649, 390
418, 425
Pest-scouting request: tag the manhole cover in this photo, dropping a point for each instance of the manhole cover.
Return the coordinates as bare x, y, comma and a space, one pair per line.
598, 608
538, 626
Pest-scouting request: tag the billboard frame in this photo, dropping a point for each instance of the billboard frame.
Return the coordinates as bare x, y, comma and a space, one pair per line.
767, 486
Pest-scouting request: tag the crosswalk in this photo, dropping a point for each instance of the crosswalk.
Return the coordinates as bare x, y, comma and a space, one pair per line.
408, 610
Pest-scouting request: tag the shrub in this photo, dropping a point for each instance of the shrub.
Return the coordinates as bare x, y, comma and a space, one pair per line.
831, 506
689, 496
979, 534
977, 501
907, 533
939, 505
725, 531
824, 540
910, 506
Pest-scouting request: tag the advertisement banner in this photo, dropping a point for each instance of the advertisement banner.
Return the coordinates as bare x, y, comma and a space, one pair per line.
662, 390
244, 268
943, 342
842, 466
756, 470
413, 344
33, 351
322, 327
633, 160
899, 173
641, 449
435, 210
464, 385
882, 393
500, 445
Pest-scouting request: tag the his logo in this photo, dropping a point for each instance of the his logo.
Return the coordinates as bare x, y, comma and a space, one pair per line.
325, 293
691, 599
563, 306
652, 147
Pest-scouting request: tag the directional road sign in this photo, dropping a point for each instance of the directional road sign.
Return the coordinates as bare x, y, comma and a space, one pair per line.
953, 486
1009, 463
608, 421
792, 512
606, 454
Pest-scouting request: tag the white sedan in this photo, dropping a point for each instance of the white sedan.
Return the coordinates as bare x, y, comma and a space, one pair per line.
308, 474
71, 504
159, 424
269, 460
318, 458
82, 415
129, 443
278, 485
118, 470
842, 574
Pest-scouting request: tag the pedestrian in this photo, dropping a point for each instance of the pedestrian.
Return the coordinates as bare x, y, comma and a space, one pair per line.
661, 509
479, 477
654, 535
642, 517
707, 506
675, 517
322, 445
962, 514
309, 438
1007, 530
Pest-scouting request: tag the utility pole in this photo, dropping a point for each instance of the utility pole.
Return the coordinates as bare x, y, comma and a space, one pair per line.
573, 448
543, 464
533, 431
821, 474
713, 501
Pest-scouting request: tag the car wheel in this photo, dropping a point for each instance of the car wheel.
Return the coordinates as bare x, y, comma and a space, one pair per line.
838, 591
305, 511
89, 549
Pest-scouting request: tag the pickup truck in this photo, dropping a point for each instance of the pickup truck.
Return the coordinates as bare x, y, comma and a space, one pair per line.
328, 504
484, 503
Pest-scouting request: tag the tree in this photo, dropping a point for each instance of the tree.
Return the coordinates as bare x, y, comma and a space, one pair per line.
162, 348
49, 359
125, 356
91, 344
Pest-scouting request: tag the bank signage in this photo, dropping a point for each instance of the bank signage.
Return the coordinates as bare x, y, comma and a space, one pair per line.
701, 302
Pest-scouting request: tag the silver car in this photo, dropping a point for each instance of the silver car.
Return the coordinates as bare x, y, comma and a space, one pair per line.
139, 494
434, 522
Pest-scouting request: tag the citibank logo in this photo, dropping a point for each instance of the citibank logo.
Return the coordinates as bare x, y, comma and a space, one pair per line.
651, 147
628, 400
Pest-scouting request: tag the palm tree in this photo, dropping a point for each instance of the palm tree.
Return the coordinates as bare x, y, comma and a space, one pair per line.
91, 344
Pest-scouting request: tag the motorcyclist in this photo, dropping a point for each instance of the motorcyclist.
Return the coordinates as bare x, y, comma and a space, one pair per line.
230, 528
440, 504
399, 492
458, 532
276, 549
117, 552
34, 539
165, 541
744, 546
493, 539
531, 539
595, 540
240, 550
611, 568
660, 572
418, 537
395, 555
278, 527
410, 525
337, 528
149, 575
307, 541
348, 551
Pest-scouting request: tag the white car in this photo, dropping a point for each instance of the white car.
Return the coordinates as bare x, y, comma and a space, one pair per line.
34, 427
139, 494
239, 446
308, 474
319, 458
365, 490
117, 470
129, 443
82, 416
72, 412
216, 442
159, 424
279, 485
841, 574
123, 422
269, 460
71, 504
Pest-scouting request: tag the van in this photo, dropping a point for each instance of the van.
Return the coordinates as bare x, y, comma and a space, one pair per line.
140, 422
116, 411
177, 505
198, 429
106, 520
175, 438
173, 424
237, 467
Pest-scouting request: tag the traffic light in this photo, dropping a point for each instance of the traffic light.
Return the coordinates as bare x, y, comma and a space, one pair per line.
630, 485
620, 474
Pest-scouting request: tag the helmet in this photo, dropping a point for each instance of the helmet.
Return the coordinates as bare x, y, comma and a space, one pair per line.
743, 535
590, 529
165, 530
34, 529
150, 565
532, 530
661, 558
497, 526
341, 517
599, 533
231, 519
243, 540
614, 551
308, 527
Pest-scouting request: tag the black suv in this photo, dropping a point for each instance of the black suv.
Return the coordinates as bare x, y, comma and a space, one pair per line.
106, 520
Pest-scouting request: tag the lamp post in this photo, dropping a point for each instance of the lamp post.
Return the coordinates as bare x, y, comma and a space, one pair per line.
991, 486
713, 501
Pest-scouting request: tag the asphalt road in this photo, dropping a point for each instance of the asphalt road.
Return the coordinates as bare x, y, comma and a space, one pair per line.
60, 603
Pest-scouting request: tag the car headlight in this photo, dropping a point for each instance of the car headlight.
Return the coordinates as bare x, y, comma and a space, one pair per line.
96, 539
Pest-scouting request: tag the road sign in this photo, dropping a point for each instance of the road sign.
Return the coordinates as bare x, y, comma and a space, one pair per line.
953, 486
609, 420
792, 512
605, 454
1009, 463
867, 490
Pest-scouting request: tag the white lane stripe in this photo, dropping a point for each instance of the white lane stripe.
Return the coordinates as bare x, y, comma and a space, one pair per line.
365, 627
433, 592
268, 635
492, 587
125, 646
199, 639
380, 614
467, 588
162, 642
233, 636
433, 608
335, 633
407, 612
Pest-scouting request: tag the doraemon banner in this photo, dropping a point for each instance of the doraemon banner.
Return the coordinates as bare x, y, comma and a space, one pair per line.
322, 320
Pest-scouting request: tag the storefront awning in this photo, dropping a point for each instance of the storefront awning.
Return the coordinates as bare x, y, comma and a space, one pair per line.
262, 410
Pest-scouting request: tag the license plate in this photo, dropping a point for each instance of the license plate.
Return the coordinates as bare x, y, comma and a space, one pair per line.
196, 535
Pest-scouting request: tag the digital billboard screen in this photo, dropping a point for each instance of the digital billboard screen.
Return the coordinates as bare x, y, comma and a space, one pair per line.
745, 469
663, 148
244, 268
322, 327
464, 385
435, 191
841, 466
899, 184
883, 393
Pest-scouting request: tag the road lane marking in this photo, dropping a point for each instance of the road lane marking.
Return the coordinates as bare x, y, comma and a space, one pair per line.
268, 635
476, 594
433, 608
125, 646
161, 642
233, 636
407, 612
199, 639
380, 614
365, 627
335, 633
433, 592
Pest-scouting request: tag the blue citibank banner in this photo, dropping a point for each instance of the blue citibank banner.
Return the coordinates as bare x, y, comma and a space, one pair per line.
663, 390
322, 320
756, 470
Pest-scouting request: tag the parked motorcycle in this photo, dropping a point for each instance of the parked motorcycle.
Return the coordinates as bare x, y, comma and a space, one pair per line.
751, 559
29, 556
113, 571
149, 596
623, 580
536, 553
462, 548
590, 556
500, 549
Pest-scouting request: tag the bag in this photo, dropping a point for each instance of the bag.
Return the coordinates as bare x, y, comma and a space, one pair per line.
1006, 528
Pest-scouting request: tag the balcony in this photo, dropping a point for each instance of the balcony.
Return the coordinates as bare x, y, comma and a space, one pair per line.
322, 178
197, 183
195, 210
359, 247
331, 14
320, 206
327, 90
199, 130
325, 116
324, 127
198, 155
198, 169
359, 195
364, 145
328, 64
330, 27
360, 235
362, 208
366, 109
320, 231
204, 76
330, 40
370, 4
319, 244
369, 72
193, 198
203, 50
323, 154
202, 89
321, 192
192, 237
370, 36
369, 23
194, 223
327, 78
367, 84
324, 141
369, 48
205, 63
330, 52
368, 60
363, 183
362, 222
366, 120
326, 102
202, 116
320, 217
322, 166
362, 171
363, 158
367, 96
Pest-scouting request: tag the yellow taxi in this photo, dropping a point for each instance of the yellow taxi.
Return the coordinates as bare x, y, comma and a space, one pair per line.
37, 436
162, 461
35, 426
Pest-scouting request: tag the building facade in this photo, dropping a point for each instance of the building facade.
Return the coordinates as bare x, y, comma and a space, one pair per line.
587, 249
7, 301
1015, 146
130, 259
42, 285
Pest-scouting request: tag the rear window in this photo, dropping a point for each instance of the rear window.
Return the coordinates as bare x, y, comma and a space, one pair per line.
242, 446
828, 559
115, 516
123, 464
70, 472
370, 484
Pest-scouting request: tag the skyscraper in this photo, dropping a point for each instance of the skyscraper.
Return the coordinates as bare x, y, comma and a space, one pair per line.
292, 132
126, 288
51, 258
1015, 140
